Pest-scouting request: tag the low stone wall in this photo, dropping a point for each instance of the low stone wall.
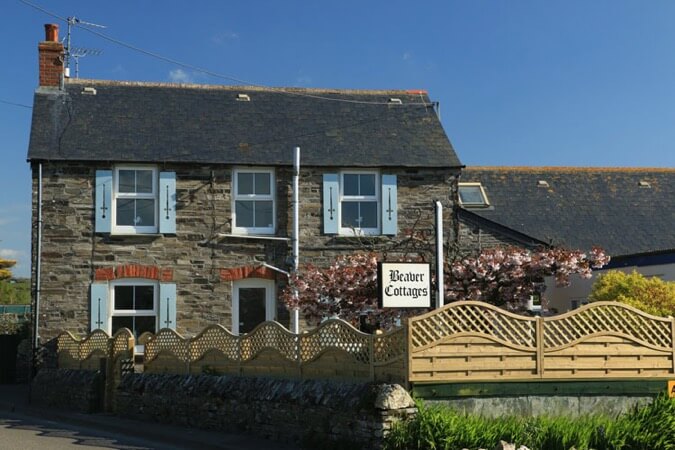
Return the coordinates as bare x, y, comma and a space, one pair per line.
309, 412
570, 398
568, 406
75, 390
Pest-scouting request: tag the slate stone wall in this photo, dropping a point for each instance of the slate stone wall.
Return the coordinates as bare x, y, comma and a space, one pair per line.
307, 412
75, 390
73, 256
477, 235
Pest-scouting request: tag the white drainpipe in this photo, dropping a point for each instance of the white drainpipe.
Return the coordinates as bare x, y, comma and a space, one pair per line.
38, 255
295, 317
439, 255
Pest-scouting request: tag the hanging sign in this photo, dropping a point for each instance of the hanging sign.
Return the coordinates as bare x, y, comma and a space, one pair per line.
404, 285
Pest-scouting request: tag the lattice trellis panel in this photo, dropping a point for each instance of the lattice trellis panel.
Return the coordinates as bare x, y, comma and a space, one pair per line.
121, 344
167, 341
68, 350
335, 334
475, 318
72, 351
214, 337
607, 317
389, 346
96, 341
270, 335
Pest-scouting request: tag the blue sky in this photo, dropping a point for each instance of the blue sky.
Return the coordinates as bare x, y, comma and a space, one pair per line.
520, 82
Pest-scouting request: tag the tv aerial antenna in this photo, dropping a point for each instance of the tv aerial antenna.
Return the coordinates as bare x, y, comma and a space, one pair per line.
77, 52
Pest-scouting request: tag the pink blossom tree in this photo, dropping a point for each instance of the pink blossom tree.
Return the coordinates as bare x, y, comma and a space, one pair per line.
509, 276
501, 276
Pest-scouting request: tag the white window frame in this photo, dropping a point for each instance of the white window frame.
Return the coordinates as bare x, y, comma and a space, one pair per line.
133, 229
484, 204
133, 312
253, 197
348, 231
270, 301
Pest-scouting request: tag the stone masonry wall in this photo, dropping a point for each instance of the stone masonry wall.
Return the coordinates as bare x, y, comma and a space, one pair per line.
75, 390
196, 259
307, 412
475, 237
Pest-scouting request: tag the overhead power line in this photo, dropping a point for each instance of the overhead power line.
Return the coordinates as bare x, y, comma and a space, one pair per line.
210, 72
16, 104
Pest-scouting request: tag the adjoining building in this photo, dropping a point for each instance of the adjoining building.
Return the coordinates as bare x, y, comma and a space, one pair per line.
629, 212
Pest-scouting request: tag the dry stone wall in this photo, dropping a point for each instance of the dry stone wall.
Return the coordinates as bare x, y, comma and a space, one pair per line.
75, 390
355, 415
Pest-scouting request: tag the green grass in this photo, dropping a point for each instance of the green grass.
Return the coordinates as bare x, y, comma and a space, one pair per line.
651, 427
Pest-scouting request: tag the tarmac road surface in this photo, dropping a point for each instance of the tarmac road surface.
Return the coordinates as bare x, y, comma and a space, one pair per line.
26, 427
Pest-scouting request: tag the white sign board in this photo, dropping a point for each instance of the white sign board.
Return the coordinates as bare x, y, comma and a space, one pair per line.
404, 285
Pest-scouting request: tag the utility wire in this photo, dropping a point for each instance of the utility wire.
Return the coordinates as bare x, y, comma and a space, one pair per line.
16, 104
210, 72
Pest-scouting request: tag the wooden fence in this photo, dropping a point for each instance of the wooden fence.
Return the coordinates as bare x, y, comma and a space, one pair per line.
97, 351
461, 342
473, 341
334, 350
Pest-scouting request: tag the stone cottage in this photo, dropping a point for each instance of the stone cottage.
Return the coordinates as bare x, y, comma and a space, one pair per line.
170, 205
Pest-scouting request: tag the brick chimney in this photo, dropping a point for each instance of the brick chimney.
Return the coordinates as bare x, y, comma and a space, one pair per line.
51, 57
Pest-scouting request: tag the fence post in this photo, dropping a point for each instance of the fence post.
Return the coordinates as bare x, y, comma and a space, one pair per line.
672, 340
240, 357
188, 357
371, 359
298, 350
407, 355
104, 391
539, 342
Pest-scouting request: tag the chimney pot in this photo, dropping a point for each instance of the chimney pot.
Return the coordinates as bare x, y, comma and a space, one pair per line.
51, 32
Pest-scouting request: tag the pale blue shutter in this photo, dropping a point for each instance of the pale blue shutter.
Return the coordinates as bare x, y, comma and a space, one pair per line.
330, 203
103, 204
99, 306
167, 202
167, 306
389, 208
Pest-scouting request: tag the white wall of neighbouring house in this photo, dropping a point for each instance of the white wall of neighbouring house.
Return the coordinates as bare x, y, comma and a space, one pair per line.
562, 299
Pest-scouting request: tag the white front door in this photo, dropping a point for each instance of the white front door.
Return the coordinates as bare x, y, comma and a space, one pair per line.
252, 303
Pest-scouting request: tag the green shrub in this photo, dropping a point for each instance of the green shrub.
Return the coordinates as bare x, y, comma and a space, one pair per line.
14, 292
649, 427
649, 294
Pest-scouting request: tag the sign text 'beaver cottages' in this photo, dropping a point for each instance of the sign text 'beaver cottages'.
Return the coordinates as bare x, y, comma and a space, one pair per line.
404, 285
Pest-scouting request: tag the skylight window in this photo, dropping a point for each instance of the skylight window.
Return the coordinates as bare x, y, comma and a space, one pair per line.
472, 195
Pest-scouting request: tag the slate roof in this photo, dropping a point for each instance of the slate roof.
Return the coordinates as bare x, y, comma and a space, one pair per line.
161, 122
583, 207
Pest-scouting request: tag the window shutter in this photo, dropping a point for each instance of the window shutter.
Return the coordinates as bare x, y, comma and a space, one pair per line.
167, 202
389, 205
99, 306
330, 203
103, 204
167, 305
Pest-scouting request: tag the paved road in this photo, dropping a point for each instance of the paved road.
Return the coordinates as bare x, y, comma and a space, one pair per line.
24, 427
21, 432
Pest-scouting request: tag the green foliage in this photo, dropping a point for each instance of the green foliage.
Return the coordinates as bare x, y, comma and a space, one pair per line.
650, 294
15, 292
441, 428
